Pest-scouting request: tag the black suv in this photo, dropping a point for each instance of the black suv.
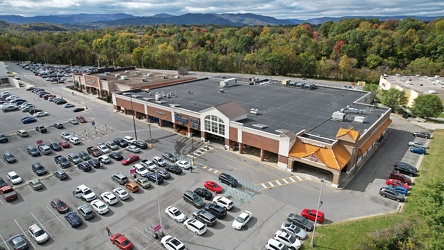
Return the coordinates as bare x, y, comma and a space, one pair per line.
216, 210
84, 166
33, 151
3, 138
38, 169
405, 168
422, 134
194, 199
55, 146
121, 142
140, 144
204, 193
228, 179
85, 156
156, 178
62, 161
9, 157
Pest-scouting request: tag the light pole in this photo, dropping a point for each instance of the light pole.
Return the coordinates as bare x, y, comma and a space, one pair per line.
192, 151
317, 212
81, 86
132, 109
158, 200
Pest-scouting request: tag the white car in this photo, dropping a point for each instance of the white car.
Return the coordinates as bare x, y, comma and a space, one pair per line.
150, 165
159, 161
40, 114
293, 229
133, 149
195, 226
223, 202
273, 244
175, 214
104, 159
38, 234
103, 148
129, 139
109, 198
99, 206
172, 243
141, 170
183, 164
287, 239
14, 178
121, 193
416, 144
242, 220
74, 140
65, 135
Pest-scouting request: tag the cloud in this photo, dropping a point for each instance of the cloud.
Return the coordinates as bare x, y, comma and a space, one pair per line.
281, 9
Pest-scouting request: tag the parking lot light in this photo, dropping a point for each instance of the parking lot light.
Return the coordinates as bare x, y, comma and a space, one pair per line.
317, 212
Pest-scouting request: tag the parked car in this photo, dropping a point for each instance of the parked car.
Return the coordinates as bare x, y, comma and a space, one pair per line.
119, 178
300, 221
405, 168
228, 179
213, 186
172, 243
183, 164
76, 110
61, 174
216, 210
8, 157
242, 220
74, 158
396, 182
401, 177
38, 169
38, 234
59, 205
204, 193
103, 148
14, 178
86, 212
58, 125
121, 193
74, 140
273, 244
80, 119
392, 194
94, 163
422, 134
35, 184
399, 189
84, 166
175, 214
195, 226
193, 199
111, 145
55, 146
133, 149
173, 169
295, 230
416, 144
94, 151
104, 159
312, 213
121, 142
121, 242
73, 219
33, 151
140, 144
130, 159
287, 239
73, 121
84, 156
132, 186
159, 161
65, 135
116, 156
18, 242
169, 156
421, 151
223, 202
64, 144
143, 182
99, 206
205, 217
109, 198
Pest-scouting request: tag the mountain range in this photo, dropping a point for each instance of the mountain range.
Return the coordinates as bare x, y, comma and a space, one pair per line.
247, 19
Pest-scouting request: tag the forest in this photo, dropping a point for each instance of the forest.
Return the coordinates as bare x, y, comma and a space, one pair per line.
354, 49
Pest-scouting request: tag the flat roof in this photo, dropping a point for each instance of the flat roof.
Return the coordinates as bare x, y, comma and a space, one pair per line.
421, 84
279, 107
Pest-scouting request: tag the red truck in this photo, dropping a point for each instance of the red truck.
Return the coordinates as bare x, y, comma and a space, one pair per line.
8, 193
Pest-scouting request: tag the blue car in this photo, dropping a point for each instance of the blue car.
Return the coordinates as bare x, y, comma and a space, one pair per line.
26, 118
73, 219
399, 189
421, 151
30, 120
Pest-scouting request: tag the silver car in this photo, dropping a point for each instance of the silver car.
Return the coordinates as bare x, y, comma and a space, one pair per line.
295, 230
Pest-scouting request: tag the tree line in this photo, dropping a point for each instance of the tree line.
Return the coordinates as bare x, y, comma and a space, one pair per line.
355, 49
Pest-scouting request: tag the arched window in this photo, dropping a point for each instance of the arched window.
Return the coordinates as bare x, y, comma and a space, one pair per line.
215, 125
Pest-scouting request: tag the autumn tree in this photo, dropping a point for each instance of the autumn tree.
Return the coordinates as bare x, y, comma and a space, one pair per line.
393, 98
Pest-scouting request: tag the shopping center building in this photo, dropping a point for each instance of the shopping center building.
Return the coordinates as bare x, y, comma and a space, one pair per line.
322, 129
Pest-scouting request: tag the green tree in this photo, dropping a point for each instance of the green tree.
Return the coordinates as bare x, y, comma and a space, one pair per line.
373, 88
427, 106
393, 98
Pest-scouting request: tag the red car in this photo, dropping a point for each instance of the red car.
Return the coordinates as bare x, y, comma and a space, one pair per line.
64, 144
396, 182
121, 242
130, 159
212, 186
59, 205
401, 177
80, 119
311, 215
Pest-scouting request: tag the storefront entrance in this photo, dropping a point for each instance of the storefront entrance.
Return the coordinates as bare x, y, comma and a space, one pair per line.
304, 168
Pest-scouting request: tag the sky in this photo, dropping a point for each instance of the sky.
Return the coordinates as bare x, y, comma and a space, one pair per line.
280, 9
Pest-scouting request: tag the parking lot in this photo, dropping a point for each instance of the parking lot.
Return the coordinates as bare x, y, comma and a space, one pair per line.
137, 216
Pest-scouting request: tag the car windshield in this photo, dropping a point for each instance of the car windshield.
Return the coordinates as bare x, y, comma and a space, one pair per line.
39, 233
14, 176
304, 221
60, 204
292, 238
88, 191
126, 242
240, 220
177, 213
102, 206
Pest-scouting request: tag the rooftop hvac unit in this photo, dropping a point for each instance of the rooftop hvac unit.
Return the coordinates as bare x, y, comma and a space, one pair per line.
149, 75
158, 96
148, 98
137, 96
259, 125
359, 119
254, 111
338, 116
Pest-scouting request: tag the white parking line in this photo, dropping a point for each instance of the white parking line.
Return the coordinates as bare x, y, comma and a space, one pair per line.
25, 153
278, 183
292, 179
286, 182
41, 225
263, 185
32, 190
3, 162
299, 178
25, 234
109, 245
4, 242
57, 218
271, 184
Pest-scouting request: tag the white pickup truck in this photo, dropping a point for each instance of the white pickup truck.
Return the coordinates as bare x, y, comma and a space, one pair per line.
83, 192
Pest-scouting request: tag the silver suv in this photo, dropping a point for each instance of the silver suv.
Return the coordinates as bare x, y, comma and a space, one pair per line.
205, 217
86, 212
119, 178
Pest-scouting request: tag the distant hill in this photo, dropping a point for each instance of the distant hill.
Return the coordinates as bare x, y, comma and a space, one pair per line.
244, 19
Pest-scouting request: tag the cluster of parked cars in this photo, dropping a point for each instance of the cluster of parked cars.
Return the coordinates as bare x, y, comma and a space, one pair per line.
398, 184
54, 74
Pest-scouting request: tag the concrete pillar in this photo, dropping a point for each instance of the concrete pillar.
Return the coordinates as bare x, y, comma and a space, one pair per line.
175, 127
203, 135
335, 181
160, 123
189, 131
262, 154
241, 148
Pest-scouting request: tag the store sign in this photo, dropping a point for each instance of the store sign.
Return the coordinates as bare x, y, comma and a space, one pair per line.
91, 81
314, 158
180, 119
195, 123
160, 113
314, 143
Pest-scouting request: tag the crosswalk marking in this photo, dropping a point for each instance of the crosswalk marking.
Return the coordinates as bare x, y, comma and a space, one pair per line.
293, 179
263, 185
278, 183
286, 182
271, 184
299, 178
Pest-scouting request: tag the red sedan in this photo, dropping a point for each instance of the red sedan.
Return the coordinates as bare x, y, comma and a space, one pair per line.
130, 159
121, 242
212, 186
396, 182
401, 177
64, 144
311, 215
